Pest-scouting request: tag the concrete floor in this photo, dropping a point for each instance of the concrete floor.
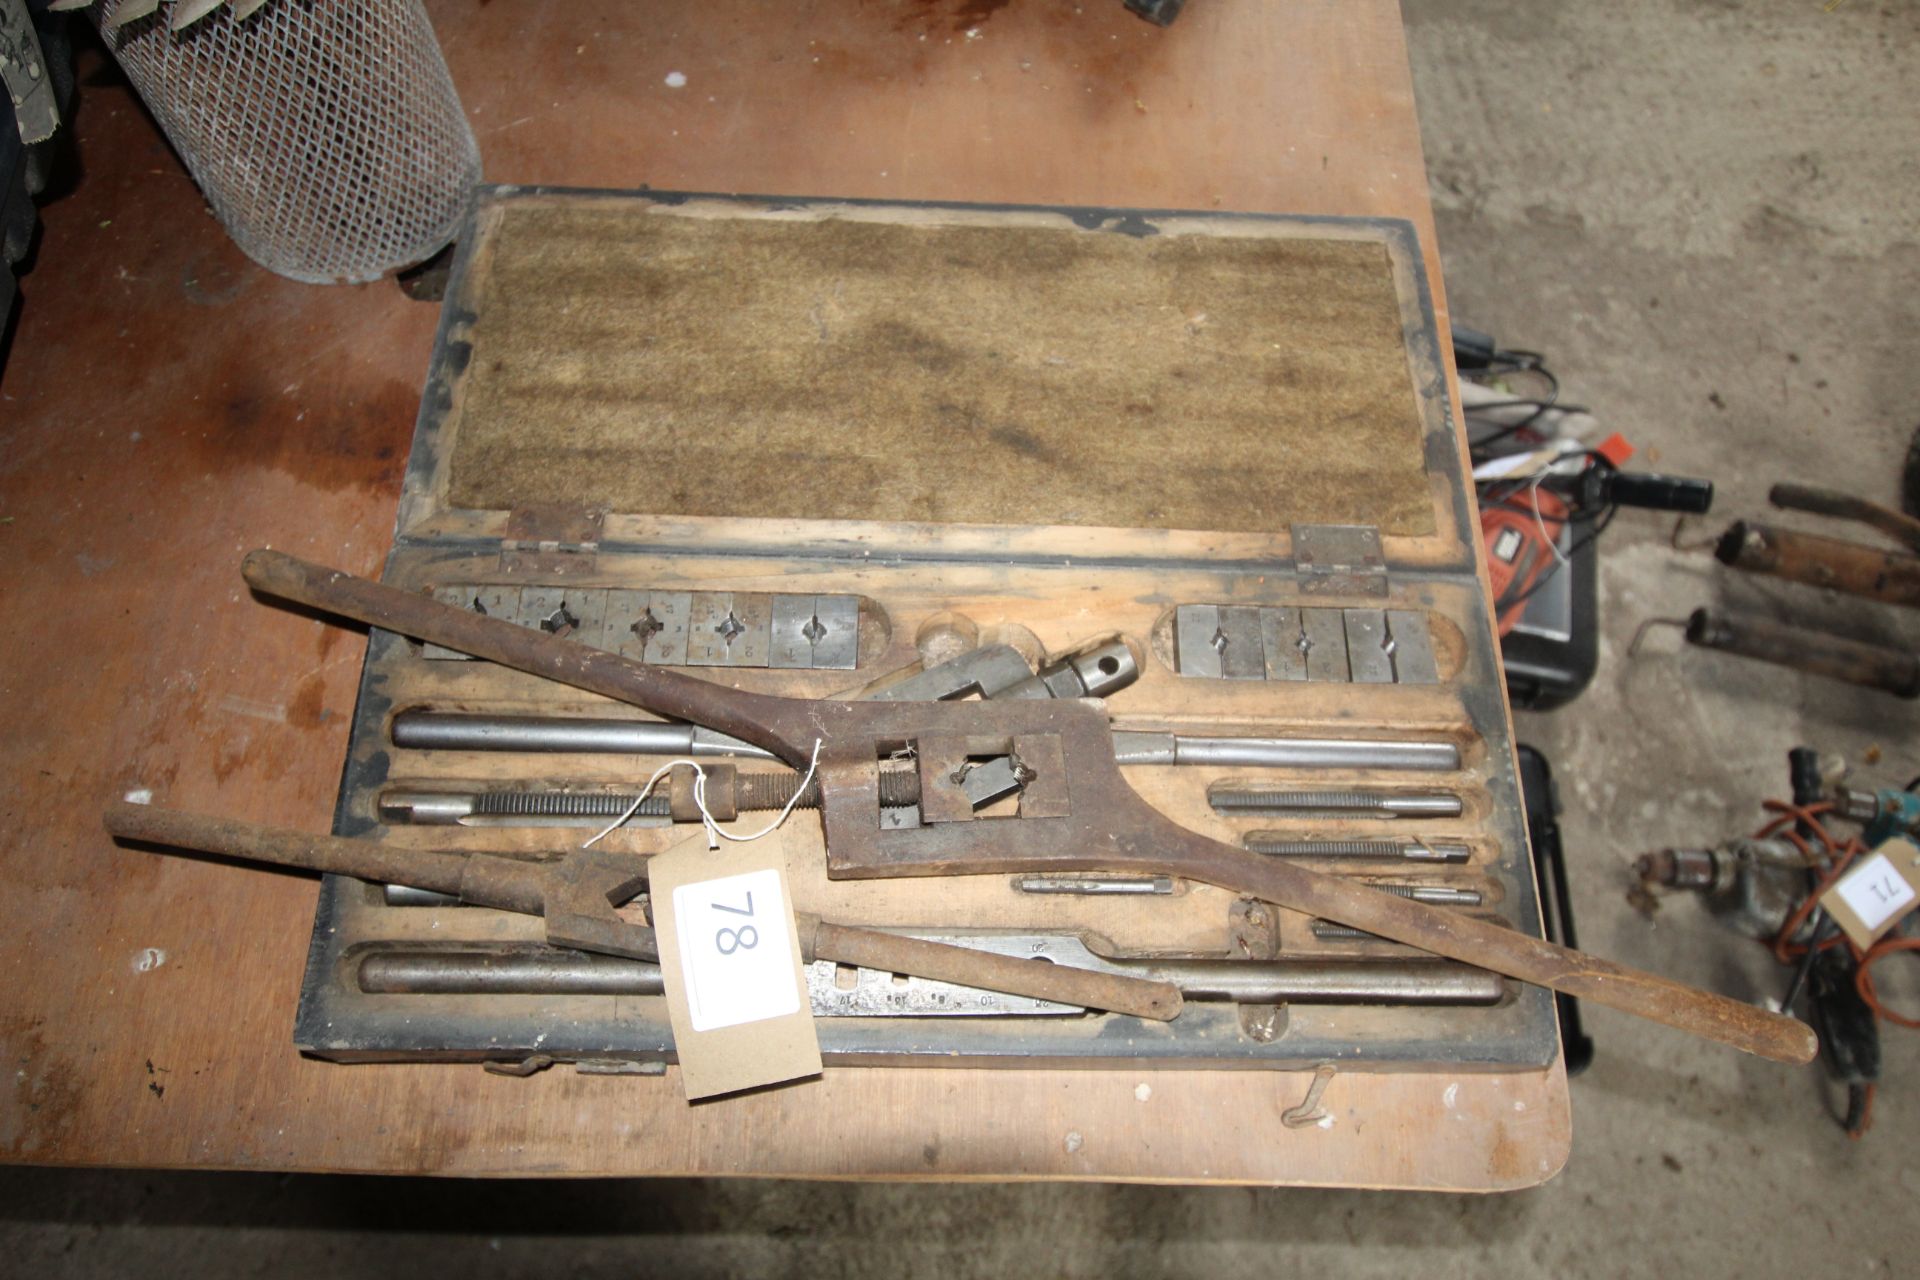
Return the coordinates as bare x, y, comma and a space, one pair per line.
1704, 211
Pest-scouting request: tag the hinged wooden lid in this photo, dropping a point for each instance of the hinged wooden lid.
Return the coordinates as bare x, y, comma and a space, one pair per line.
834, 376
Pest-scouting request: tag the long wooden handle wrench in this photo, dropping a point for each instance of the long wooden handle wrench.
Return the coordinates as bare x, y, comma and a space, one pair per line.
1077, 812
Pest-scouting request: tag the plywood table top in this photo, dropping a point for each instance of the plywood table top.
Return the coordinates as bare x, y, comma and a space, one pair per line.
168, 405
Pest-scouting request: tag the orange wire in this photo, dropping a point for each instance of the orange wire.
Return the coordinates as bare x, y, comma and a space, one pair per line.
1839, 858
1863, 979
1791, 814
1785, 950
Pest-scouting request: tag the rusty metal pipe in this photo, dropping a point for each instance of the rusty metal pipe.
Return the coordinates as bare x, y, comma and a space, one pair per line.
428, 869
483, 880
1871, 666
1852, 567
1898, 525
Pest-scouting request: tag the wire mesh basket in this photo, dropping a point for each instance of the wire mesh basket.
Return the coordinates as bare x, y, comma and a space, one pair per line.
326, 134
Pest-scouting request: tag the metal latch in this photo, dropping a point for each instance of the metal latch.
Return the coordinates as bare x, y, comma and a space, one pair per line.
1339, 559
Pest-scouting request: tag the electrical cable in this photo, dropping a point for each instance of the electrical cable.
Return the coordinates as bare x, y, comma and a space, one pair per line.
1515, 360
1475, 415
1835, 858
1503, 361
1859, 1109
1503, 493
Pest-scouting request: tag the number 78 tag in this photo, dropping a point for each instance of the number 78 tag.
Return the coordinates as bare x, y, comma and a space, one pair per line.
734, 952
730, 957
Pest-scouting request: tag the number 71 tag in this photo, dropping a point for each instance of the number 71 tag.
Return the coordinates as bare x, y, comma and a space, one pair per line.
1881, 887
730, 955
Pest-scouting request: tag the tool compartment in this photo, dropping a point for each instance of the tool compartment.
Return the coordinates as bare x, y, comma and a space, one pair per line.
1375, 593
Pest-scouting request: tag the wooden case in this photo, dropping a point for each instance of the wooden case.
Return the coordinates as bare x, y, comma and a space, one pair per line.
640, 396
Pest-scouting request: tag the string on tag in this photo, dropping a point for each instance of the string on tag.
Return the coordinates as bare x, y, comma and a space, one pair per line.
715, 834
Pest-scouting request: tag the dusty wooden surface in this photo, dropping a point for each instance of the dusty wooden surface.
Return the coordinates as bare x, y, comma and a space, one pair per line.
168, 405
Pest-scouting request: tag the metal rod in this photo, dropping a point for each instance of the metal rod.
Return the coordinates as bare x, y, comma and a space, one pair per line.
1333, 931
1094, 885
481, 970
1130, 747
1431, 894
484, 972
422, 730
454, 731
426, 869
1437, 895
1239, 798
403, 895
1404, 982
1279, 845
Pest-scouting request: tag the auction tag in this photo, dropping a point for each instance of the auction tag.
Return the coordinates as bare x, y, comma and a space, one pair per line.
730, 955
1882, 887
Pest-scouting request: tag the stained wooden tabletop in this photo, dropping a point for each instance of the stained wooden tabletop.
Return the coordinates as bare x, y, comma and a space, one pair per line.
168, 405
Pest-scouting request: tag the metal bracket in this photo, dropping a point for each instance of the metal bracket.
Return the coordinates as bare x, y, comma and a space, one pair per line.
1310, 1112
999, 671
1339, 560
1253, 933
